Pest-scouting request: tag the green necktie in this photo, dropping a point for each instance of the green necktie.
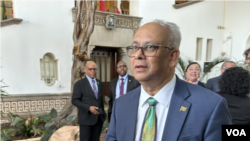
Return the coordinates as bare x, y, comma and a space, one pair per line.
150, 122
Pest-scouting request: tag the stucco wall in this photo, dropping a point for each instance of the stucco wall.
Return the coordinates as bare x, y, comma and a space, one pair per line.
46, 27
201, 20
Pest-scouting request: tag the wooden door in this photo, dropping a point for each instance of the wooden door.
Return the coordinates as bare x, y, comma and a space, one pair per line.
106, 60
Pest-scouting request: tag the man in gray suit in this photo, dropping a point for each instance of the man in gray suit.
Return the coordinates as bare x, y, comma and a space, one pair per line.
164, 107
212, 83
120, 85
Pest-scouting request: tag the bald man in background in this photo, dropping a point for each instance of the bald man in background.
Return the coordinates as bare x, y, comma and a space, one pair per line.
87, 97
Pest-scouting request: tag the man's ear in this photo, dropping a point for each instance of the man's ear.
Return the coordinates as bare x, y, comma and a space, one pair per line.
174, 57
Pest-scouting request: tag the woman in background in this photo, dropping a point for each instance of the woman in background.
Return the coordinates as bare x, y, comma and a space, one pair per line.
234, 86
193, 73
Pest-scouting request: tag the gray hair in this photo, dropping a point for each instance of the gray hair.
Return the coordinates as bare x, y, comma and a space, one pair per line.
228, 62
90, 62
174, 39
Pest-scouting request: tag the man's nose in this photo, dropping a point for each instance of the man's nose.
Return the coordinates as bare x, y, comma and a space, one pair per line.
139, 54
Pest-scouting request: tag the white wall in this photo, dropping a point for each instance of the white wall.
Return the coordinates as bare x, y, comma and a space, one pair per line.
46, 27
197, 20
201, 20
238, 24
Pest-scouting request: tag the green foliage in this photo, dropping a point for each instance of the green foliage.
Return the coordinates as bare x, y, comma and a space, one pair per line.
182, 65
70, 118
212, 64
3, 85
52, 125
105, 124
243, 64
6, 134
3, 92
53, 113
28, 126
24, 127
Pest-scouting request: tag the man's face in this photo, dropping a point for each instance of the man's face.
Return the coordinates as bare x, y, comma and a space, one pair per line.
156, 67
248, 59
227, 66
90, 69
122, 68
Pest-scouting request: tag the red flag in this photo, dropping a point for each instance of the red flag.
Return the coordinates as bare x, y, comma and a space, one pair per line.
118, 7
102, 5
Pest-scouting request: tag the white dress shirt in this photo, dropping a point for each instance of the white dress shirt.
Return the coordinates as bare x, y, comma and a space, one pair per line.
163, 97
125, 81
91, 84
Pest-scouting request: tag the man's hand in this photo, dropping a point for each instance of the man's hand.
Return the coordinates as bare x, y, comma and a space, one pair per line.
93, 111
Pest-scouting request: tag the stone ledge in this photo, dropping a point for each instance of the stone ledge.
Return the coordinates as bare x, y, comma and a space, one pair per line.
10, 22
34, 103
122, 21
177, 6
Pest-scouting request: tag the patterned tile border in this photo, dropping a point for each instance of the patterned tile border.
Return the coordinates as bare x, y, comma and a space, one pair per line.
34, 103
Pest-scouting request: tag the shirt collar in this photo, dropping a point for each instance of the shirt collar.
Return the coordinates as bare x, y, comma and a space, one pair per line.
163, 96
125, 77
90, 79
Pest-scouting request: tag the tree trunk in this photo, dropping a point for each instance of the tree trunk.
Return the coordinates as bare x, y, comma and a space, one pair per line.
83, 28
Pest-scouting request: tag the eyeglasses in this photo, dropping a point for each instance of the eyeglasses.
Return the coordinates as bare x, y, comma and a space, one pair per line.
90, 69
196, 69
122, 66
224, 67
148, 50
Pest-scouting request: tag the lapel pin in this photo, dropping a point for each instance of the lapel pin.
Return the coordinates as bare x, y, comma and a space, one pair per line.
183, 108
129, 80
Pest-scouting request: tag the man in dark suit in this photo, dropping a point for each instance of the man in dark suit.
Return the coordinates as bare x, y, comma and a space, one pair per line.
87, 97
121, 85
164, 108
212, 83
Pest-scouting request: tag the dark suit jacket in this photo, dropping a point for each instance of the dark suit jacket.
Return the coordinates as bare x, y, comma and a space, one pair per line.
83, 97
201, 84
239, 108
212, 84
206, 112
132, 84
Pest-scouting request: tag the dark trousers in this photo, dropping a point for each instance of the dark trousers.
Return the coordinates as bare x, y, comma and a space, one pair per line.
91, 132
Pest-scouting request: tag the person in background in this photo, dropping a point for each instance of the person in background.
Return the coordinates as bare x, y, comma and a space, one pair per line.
87, 97
212, 83
120, 85
234, 86
164, 108
247, 56
192, 74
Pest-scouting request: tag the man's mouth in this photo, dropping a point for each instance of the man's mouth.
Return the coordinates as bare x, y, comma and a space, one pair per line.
140, 67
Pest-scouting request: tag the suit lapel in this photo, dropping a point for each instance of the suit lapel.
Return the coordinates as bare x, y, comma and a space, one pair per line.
129, 84
99, 89
114, 89
132, 112
89, 88
178, 111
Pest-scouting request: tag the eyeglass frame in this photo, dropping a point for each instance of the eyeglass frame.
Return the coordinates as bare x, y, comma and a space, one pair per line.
122, 66
92, 69
141, 47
